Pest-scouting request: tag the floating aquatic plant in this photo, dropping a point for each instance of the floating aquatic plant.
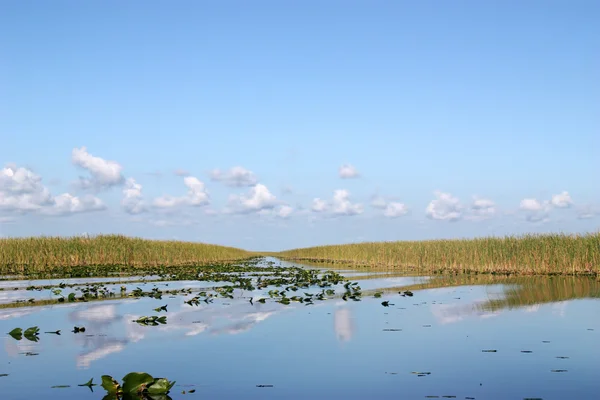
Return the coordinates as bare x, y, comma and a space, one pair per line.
139, 384
152, 321
29, 334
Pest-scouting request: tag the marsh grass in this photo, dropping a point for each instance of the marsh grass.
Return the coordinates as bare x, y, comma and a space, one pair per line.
523, 255
45, 254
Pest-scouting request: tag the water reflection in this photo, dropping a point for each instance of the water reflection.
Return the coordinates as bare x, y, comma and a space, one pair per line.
100, 349
442, 329
110, 327
120, 331
507, 293
343, 324
540, 290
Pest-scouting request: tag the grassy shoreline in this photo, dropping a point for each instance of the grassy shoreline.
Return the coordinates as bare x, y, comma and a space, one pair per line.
47, 254
554, 254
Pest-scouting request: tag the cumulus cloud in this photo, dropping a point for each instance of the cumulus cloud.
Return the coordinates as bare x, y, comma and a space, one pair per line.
340, 205
66, 204
234, 177
133, 202
395, 210
347, 171
533, 205
445, 208
319, 205
259, 198
104, 173
22, 190
481, 209
196, 195
539, 211
284, 212
391, 209
562, 200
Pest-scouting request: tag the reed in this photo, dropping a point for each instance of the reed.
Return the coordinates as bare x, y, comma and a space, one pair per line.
45, 254
524, 255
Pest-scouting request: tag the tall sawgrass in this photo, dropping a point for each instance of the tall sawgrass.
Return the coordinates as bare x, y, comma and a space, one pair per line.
43, 254
528, 254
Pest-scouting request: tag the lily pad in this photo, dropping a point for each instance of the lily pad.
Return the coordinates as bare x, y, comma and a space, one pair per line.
110, 384
160, 386
16, 333
34, 330
136, 382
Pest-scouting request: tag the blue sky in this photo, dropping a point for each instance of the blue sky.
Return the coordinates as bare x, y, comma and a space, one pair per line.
343, 121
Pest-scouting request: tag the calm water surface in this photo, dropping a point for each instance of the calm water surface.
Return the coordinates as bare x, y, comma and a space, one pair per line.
333, 349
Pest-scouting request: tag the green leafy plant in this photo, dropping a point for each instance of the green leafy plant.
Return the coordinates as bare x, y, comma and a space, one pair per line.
30, 333
138, 385
16, 333
152, 321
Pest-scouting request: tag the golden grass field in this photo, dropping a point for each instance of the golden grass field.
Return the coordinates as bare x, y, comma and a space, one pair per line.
42, 254
527, 255
524, 255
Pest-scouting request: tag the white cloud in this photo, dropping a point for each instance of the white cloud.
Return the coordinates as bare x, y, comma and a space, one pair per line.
395, 210
562, 200
533, 205
133, 202
319, 205
66, 204
444, 208
19, 180
481, 209
539, 211
21, 190
343, 206
340, 205
235, 177
196, 195
347, 171
257, 199
284, 212
104, 173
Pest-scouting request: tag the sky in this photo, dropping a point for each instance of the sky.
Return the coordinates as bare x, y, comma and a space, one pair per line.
271, 125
